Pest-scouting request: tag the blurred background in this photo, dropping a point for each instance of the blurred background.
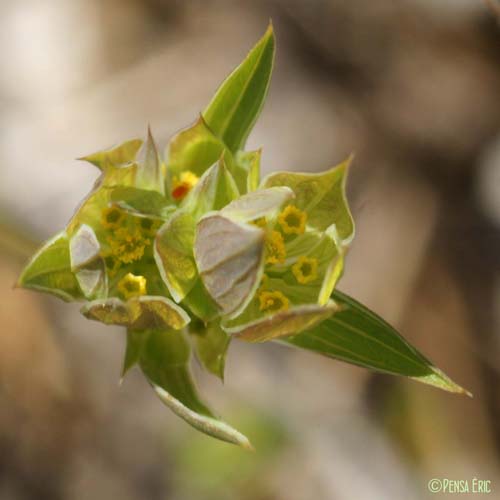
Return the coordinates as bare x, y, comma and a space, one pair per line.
413, 88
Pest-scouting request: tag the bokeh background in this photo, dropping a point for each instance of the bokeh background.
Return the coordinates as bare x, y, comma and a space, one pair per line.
413, 88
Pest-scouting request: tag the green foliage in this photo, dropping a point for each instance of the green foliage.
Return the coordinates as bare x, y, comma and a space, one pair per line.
195, 242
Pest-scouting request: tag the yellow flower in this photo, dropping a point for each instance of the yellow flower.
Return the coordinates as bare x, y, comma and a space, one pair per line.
305, 269
275, 248
182, 186
127, 244
132, 286
273, 301
112, 217
292, 220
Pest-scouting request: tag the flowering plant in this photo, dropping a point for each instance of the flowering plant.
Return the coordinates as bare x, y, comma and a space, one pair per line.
192, 249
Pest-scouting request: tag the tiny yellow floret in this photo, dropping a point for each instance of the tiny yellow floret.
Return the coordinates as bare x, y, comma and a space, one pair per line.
147, 226
273, 301
112, 217
127, 244
292, 220
181, 186
275, 248
132, 286
112, 264
305, 269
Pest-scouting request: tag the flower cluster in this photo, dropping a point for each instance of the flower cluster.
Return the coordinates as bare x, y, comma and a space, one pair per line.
192, 249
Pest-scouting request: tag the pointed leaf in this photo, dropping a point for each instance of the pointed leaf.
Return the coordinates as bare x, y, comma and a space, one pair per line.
49, 270
283, 324
358, 336
232, 112
195, 149
321, 196
135, 341
117, 156
149, 173
164, 360
229, 257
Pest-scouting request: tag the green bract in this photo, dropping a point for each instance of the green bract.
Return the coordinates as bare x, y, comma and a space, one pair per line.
191, 249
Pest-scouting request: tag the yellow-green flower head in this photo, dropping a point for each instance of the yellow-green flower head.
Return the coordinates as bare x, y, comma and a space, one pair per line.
273, 301
127, 244
292, 220
112, 217
305, 269
132, 286
275, 248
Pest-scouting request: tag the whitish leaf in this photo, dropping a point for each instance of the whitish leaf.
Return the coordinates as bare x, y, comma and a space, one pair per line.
229, 256
358, 336
232, 112
257, 204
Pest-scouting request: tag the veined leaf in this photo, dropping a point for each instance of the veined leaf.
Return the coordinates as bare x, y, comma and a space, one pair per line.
229, 256
164, 359
232, 112
321, 196
358, 336
49, 270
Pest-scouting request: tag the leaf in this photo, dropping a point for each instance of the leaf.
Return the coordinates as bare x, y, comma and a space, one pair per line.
164, 360
211, 343
141, 201
229, 256
195, 149
358, 336
120, 155
135, 341
257, 204
322, 196
83, 247
149, 172
137, 313
235, 107
49, 270
173, 248
215, 190
283, 324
